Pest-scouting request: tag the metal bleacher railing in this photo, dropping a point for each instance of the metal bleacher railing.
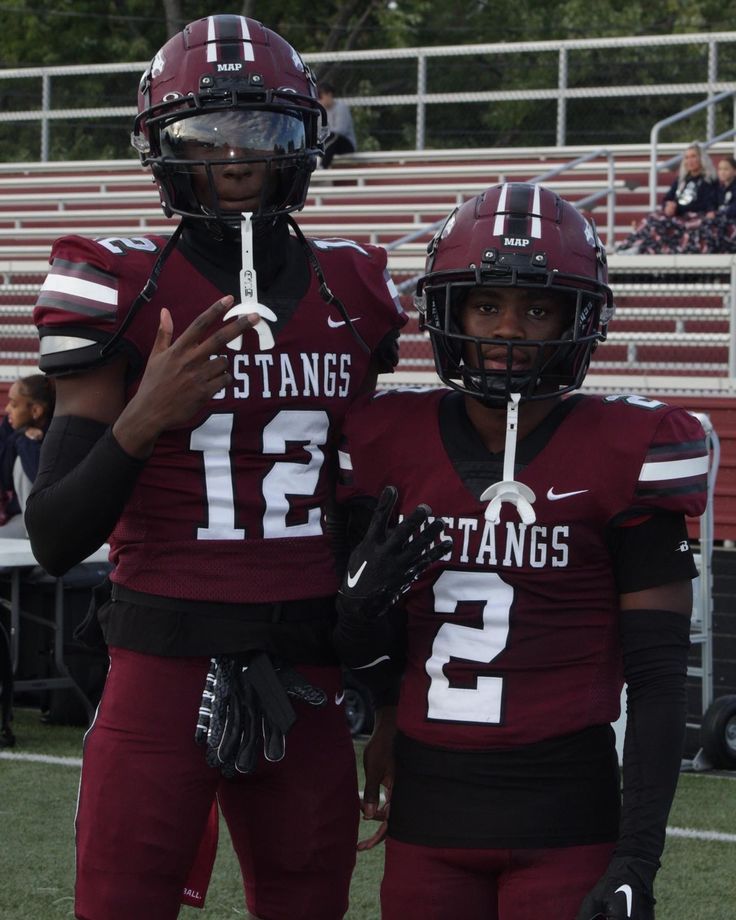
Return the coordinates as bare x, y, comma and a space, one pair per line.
562, 76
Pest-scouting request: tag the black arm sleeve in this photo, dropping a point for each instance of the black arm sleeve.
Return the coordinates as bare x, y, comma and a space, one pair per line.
84, 480
652, 553
386, 353
655, 647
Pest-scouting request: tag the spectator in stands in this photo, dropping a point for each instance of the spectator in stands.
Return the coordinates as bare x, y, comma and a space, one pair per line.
6, 432
726, 188
341, 138
691, 197
28, 414
717, 232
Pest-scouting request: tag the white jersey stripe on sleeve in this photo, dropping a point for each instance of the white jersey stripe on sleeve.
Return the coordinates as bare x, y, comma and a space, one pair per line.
54, 344
78, 287
673, 469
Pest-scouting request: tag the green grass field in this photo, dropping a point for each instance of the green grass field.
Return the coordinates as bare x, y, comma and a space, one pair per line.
37, 859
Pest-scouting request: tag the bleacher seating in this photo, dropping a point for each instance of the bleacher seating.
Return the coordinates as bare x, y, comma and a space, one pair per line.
671, 334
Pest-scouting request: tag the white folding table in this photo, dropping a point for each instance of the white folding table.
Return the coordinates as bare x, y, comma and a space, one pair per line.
15, 558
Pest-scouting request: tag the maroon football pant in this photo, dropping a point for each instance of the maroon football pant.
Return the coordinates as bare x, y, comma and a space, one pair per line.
146, 792
435, 883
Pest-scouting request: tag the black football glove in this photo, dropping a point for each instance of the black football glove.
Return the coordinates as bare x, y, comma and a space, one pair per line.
388, 559
625, 892
245, 702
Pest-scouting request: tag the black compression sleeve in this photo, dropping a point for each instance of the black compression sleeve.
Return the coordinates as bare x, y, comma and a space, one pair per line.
84, 480
655, 647
386, 353
655, 552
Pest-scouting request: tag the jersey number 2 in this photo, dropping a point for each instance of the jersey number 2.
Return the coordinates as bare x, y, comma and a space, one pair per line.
482, 703
214, 439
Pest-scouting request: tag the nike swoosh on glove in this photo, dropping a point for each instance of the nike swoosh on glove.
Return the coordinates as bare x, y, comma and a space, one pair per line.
624, 892
388, 559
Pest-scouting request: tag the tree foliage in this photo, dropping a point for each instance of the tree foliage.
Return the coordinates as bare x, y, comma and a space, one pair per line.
99, 31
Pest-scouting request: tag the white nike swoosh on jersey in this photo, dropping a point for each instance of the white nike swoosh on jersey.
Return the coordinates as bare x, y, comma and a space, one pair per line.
626, 891
335, 323
339, 697
354, 579
556, 496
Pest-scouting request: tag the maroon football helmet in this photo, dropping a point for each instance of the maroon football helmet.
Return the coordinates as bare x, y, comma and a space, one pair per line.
226, 90
524, 236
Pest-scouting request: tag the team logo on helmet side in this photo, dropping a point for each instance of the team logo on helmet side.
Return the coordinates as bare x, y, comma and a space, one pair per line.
296, 58
450, 223
158, 64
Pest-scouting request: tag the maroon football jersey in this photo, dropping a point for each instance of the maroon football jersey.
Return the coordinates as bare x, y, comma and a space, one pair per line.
232, 500
513, 637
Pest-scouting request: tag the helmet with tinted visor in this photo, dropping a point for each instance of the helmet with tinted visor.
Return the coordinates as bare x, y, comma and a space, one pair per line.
225, 93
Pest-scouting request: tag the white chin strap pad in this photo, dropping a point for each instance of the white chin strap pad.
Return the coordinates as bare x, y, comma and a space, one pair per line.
509, 490
249, 293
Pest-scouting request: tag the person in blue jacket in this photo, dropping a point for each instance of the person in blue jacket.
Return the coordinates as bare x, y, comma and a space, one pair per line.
28, 413
717, 232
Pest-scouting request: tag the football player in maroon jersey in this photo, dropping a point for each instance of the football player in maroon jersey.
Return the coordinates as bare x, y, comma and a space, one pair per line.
569, 573
202, 379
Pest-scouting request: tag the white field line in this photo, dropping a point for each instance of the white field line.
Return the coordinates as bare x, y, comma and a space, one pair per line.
42, 758
689, 832
700, 835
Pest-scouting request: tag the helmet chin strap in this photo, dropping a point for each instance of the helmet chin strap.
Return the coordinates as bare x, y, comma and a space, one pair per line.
508, 490
249, 292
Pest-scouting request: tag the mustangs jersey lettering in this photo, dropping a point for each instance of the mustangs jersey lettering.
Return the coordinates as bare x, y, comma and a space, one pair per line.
513, 637
233, 499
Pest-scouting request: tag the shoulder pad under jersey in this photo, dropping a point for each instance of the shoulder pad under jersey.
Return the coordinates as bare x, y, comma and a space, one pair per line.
669, 448
86, 296
357, 274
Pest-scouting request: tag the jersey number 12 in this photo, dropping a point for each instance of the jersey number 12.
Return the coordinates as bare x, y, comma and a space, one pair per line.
214, 439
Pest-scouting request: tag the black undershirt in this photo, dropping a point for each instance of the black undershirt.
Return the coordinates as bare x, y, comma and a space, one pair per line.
282, 271
555, 793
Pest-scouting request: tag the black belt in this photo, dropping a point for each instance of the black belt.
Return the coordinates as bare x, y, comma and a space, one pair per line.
312, 608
